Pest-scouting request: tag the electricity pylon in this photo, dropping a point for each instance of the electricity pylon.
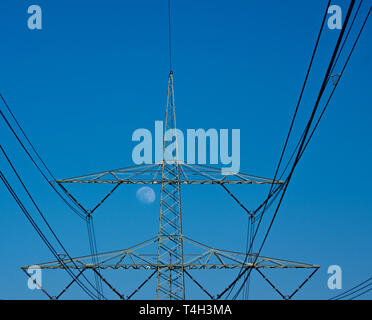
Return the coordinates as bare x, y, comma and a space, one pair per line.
170, 263
170, 281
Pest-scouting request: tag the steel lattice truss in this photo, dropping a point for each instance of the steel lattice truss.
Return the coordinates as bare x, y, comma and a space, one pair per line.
143, 256
170, 281
152, 174
206, 258
173, 255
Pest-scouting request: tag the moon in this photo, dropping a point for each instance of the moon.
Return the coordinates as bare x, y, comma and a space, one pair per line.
146, 195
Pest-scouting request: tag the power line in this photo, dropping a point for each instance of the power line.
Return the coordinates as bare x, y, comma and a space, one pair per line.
333, 90
40, 213
356, 291
360, 294
290, 128
347, 35
339, 77
299, 153
351, 291
342, 72
37, 154
295, 112
303, 142
94, 252
42, 236
91, 237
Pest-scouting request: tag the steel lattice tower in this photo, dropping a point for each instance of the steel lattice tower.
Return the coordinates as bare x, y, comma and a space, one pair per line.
170, 282
170, 263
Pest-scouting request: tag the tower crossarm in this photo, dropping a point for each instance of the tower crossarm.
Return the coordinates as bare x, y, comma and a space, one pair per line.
151, 174
200, 257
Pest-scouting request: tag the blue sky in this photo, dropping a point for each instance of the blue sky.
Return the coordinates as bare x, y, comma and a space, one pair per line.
98, 70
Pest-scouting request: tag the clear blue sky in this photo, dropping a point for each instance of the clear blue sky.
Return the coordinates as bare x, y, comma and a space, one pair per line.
98, 71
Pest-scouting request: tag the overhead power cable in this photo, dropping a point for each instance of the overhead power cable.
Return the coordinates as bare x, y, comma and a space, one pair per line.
296, 110
335, 86
91, 237
347, 35
42, 236
357, 292
299, 153
353, 290
361, 294
94, 252
37, 155
290, 128
44, 219
333, 90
